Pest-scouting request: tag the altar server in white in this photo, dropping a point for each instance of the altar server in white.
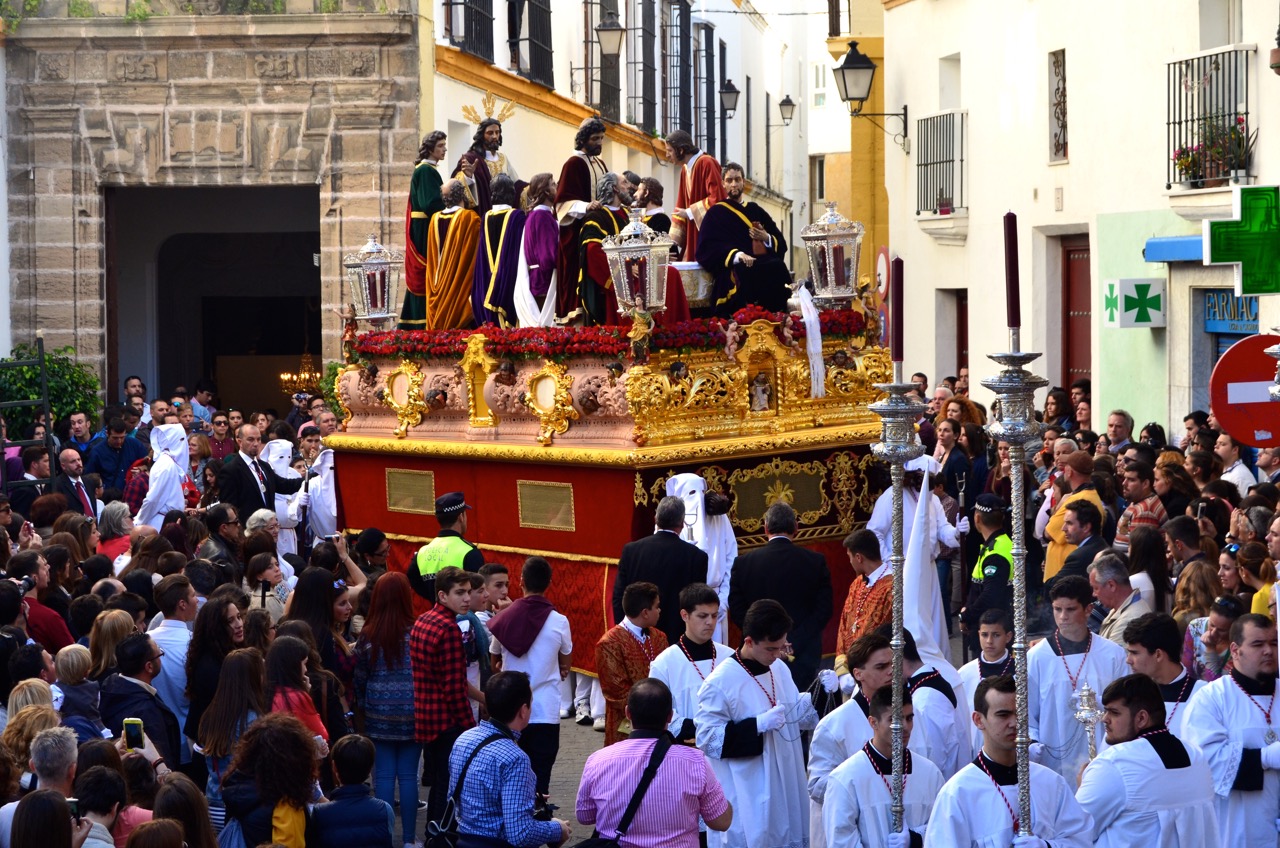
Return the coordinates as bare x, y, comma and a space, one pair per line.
685, 665
938, 735
846, 729
978, 808
1153, 646
749, 720
1057, 669
1148, 788
995, 633
1234, 721
856, 812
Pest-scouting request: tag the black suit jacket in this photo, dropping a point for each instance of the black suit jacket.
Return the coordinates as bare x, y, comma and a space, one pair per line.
668, 562
798, 579
23, 497
238, 486
63, 486
1077, 561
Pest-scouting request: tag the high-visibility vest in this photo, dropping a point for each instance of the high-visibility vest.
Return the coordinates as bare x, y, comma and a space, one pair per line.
1001, 545
441, 552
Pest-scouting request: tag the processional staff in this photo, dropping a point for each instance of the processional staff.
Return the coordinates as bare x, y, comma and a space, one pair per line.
1016, 424
898, 413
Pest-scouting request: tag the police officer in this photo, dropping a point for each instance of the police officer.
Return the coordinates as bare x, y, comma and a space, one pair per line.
447, 548
990, 586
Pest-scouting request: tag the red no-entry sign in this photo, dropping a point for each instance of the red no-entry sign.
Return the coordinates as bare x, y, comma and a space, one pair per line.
1238, 392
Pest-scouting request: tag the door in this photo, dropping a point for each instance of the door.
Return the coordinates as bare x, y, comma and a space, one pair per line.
1077, 312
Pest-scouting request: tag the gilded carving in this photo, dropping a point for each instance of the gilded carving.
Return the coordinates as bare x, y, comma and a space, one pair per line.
749, 516
842, 488
476, 366
403, 395
550, 398
342, 389
639, 497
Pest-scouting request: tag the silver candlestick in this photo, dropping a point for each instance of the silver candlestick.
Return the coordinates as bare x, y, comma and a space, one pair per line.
1089, 714
1016, 424
898, 414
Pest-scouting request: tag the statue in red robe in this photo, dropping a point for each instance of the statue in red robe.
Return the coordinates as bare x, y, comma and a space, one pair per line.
701, 187
575, 197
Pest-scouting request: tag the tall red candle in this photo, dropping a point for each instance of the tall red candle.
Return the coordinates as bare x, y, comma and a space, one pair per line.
1013, 302
896, 314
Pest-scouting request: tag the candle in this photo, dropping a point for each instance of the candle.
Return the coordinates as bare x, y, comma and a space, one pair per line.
1013, 302
896, 315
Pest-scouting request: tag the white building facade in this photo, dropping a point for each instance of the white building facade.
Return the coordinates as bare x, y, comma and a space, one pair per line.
1071, 115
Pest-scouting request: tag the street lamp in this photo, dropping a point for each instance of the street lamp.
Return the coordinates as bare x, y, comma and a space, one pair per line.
854, 76
729, 98
610, 34
788, 109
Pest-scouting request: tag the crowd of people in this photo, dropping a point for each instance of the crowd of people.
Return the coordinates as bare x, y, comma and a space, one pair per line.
484, 247
237, 671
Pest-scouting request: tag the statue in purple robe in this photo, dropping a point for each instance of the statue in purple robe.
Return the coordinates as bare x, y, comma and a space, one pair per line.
498, 257
535, 289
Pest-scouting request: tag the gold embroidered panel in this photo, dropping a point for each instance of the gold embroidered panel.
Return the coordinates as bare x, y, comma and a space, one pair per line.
545, 505
411, 491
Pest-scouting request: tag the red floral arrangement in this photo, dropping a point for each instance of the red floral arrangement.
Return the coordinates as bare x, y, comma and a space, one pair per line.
559, 343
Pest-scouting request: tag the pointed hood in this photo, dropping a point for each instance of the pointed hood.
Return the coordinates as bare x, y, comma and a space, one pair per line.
277, 453
169, 440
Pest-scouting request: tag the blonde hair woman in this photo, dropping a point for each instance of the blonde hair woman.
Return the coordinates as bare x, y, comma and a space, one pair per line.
32, 692
109, 630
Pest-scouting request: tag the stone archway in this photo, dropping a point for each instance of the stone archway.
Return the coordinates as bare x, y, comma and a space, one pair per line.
327, 100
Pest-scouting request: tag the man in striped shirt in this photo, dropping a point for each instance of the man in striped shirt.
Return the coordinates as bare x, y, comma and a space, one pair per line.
683, 789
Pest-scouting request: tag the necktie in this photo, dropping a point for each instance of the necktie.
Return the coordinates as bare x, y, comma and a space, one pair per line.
84, 499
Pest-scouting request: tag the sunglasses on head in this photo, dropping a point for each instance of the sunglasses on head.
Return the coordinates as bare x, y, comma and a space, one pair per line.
1231, 549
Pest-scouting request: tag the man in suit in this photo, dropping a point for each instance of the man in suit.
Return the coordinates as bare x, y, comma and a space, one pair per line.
70, 485
246, 483
795, 577
35, 466
666, 561
1082, 526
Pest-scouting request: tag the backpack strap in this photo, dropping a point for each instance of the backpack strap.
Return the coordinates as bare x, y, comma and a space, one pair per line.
650, 771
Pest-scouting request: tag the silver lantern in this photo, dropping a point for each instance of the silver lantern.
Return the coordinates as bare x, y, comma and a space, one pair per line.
374, 274
638, 260
835, 246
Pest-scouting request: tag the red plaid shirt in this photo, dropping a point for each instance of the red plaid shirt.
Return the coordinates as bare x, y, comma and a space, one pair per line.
439, 675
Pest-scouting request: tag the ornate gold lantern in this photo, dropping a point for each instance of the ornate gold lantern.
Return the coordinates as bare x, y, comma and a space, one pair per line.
638, 260
374, 274
835, 246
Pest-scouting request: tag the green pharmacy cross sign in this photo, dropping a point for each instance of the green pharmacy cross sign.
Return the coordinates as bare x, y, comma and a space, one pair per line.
1135, 303
1250, 242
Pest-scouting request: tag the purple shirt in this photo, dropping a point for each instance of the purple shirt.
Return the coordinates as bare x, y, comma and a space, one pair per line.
684, 788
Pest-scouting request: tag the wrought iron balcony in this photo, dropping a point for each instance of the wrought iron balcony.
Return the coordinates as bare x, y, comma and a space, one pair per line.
940, 148
1210, 132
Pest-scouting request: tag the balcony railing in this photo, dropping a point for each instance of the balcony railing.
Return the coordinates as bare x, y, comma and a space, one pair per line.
1210, 130
468, 24
941, 144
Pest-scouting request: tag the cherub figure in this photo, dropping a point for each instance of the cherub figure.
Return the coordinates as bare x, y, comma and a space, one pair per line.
347, 312
730, 339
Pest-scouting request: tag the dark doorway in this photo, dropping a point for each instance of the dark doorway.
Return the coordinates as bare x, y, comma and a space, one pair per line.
214, 282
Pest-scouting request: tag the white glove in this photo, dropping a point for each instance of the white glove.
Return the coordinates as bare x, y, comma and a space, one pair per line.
1035, 751
1271, 756
899, 839
302, 498
772, 719
847, 683
1029, 841
962, 526
828, 679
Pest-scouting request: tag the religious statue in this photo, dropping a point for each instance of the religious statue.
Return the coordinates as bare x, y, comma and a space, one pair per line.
615, 370
347, 312
436, 399
587, 402
679, 371
506, 373
761, 393
731, 339
840, 359
641, 327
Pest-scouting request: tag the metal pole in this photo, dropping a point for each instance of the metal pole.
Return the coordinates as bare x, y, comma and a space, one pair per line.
898, 414
1017, 425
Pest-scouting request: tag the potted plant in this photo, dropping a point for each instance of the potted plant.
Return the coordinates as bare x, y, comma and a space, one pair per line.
1215, 139
1240, 144
1189, 160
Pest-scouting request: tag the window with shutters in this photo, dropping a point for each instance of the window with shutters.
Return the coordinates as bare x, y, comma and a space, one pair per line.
642, 64
602, 73
468, 24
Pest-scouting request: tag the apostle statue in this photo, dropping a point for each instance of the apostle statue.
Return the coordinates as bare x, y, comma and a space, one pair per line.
575, 197
700, 189
483, 161
743, 250
535, 286
424, 201
649, 194
595, 284
497, 260
451, 259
